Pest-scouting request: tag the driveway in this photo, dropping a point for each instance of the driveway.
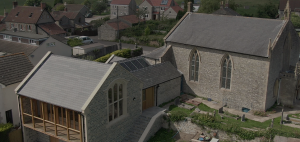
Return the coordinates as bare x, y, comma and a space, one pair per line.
146, 49
95, 17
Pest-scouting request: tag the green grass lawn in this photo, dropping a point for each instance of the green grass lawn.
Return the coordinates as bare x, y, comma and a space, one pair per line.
293, 115
163, 135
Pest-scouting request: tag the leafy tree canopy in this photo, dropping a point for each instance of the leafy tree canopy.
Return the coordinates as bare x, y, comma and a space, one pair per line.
87, 3
70, 1
295, 19
32, 2
57, 1
268, 10
210, 6
141, 13
60, 8
98, 7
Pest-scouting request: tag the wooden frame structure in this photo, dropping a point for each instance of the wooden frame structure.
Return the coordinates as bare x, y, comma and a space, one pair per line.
55, 121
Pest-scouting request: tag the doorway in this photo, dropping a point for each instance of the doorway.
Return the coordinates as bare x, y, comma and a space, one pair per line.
9, 117
154, 17
148, 98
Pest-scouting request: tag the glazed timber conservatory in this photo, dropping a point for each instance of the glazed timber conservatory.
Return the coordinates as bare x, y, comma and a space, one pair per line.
57, 122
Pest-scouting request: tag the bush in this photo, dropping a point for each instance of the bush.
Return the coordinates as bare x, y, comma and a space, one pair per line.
74, 42
125, 53
177, 116
60, 8
147, 31
137, 52
4, 130
106, 18
260, 113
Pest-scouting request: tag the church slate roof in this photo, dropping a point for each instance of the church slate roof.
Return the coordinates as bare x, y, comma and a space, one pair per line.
227, 33
64, 81
14, 68
156, 74
157, 53
15, 47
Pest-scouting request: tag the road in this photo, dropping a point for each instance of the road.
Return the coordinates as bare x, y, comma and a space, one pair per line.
146, 49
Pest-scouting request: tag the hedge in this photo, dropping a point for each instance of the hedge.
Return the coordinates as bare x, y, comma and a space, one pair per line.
4, 130
125, 53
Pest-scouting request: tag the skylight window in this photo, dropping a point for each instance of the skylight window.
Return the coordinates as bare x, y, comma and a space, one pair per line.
30, 15
17, 14
164, 2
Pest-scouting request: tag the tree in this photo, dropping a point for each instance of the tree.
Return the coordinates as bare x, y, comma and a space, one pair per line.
70, 1
147, 31
269, 10
60, 8
180, 14
98, 7
210, 6
295, 19
32, 2
48, 7
87, 3
141, 13
57, 1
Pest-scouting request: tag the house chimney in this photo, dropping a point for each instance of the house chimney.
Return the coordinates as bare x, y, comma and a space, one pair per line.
43, 6
66, 9
287, 11
221, 4
65, 3
189, 7
226, 4
5, 13
15, 4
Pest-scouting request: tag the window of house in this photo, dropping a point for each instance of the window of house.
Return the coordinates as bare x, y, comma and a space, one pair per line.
12, 26
29, 27
169, 11
50, 44
7, 37
162, 8
30, 15
115, 101
226, 72
21, 27
31, 41
19, 39
146, 15
194, 65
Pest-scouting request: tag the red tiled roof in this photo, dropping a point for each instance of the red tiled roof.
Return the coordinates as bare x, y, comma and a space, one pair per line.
176, 8
121, 2
122, 25
158, 3
24, 13
57, 15
131, 18
293, 4
52, 29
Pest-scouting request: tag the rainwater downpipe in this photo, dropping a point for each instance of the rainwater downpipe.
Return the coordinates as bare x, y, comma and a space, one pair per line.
156, 90
83, 127
278, 92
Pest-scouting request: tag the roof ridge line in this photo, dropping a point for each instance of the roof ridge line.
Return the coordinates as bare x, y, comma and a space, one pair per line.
13, 54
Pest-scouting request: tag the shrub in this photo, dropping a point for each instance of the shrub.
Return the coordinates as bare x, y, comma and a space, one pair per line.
4, 130
260, 113
60, 8
125, 53
147, 31
137, 52
74, 42
177, 116
106, 18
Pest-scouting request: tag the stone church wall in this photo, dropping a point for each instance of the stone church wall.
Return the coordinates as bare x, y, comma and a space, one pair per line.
248, 81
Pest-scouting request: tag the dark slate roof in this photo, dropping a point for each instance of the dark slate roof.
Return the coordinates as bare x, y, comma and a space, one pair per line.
65, 81
228, 33
59, 38
157, 53
52, 28
24, 34
15, 47
156, 74
133, 64
113, 58
226, 11
24, 13
14, 68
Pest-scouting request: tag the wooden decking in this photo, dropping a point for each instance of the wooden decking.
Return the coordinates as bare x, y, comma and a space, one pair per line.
50, 130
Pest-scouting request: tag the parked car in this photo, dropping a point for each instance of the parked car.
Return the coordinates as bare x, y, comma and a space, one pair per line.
86, 39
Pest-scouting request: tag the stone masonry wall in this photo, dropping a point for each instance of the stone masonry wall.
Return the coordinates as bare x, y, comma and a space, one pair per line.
168, 90
276, 61
105, 32
31, 135
97, 124
248, 81
155, 127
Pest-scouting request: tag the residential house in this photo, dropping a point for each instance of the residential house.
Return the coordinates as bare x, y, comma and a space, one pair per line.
122, 7
171, 13
224, 58
14, 69
70, 20
157, 8
225, 10
31, 19
74, 8
2, 22
34, 46
293, 4
107, 102
110, 30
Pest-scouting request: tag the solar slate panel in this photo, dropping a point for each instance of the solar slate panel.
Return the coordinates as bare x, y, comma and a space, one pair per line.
131, 66
137, 64
123, 65
164, 2
143, 62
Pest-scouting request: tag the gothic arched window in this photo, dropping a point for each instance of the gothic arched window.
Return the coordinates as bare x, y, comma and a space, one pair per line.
194, 65
226, 72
